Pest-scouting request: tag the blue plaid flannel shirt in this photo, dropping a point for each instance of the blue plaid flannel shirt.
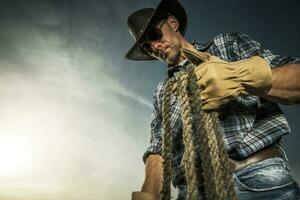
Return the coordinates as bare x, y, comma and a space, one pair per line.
249, 123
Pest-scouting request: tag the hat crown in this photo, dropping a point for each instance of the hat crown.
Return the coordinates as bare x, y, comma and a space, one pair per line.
138, 20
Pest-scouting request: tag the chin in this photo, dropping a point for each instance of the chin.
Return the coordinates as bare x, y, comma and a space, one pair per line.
173, 58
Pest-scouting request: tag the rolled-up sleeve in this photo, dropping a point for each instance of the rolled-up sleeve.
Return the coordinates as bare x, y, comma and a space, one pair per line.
155, 146
245, 47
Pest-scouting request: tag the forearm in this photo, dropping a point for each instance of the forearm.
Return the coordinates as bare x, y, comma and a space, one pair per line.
153, 175
285, 84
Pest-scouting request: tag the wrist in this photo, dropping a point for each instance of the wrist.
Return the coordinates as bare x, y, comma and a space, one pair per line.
256, 76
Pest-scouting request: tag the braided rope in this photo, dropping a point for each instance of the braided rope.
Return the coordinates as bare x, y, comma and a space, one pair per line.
224, 158
167, 142
189, 156
204, 146
207, 145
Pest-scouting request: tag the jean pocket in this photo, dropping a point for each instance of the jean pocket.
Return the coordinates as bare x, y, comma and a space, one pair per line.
266, 175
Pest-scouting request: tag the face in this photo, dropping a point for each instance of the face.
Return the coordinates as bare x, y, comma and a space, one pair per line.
164, 41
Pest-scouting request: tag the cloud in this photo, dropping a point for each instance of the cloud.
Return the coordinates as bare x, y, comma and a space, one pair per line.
61, 93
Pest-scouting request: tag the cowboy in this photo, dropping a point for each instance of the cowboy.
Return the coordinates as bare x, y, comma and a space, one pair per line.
245, 96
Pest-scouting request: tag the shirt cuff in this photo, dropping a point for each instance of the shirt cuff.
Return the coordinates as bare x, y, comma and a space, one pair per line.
154, 148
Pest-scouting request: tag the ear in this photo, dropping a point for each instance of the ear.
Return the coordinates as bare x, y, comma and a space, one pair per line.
173, 22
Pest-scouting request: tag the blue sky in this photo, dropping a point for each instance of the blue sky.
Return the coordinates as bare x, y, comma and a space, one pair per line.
75, 114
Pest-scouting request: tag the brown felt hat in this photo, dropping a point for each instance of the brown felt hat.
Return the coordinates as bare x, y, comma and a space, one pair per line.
141, 21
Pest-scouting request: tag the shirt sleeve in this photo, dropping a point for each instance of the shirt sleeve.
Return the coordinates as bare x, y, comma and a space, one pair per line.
155, 146
245, 47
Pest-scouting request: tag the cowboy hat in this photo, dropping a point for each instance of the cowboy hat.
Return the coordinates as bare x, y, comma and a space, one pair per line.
141, 21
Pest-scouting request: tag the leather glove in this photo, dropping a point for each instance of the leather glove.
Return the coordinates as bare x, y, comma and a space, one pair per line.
220, 81
142, 196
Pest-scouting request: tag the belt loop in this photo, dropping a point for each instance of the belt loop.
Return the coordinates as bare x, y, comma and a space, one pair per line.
283, 152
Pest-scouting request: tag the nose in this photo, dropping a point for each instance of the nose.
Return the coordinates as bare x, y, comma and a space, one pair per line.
156, 45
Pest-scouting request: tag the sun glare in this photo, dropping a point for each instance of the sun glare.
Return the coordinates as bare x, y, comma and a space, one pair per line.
14, 156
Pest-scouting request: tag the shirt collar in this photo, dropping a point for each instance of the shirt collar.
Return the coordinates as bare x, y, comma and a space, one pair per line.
201, 46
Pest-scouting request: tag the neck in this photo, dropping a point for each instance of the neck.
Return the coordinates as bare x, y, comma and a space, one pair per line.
184, 44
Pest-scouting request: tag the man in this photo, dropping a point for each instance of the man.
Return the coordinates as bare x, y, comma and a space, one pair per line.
250, 117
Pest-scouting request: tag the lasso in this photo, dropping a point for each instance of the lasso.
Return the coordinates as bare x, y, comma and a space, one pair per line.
205, 158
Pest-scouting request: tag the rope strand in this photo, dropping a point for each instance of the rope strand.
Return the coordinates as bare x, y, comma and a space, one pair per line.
167, 142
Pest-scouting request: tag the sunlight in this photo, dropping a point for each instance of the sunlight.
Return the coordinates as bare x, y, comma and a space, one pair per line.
14, 156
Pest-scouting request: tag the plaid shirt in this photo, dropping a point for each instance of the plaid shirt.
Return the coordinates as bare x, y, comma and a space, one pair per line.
249, 123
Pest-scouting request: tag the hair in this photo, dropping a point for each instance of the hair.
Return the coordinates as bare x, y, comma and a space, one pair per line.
205, 158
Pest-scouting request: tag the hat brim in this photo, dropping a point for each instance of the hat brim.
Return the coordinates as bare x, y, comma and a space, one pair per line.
164, 7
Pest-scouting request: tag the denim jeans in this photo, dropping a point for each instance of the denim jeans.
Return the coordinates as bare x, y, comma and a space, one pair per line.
269, 179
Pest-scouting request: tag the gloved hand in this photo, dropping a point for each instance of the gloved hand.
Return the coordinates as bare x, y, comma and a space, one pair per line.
220, 81
142, 196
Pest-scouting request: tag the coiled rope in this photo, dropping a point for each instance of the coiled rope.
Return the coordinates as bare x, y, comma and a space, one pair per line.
205, 158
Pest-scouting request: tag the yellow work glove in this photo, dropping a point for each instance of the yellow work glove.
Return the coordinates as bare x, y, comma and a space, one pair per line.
142, 196
220, 81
